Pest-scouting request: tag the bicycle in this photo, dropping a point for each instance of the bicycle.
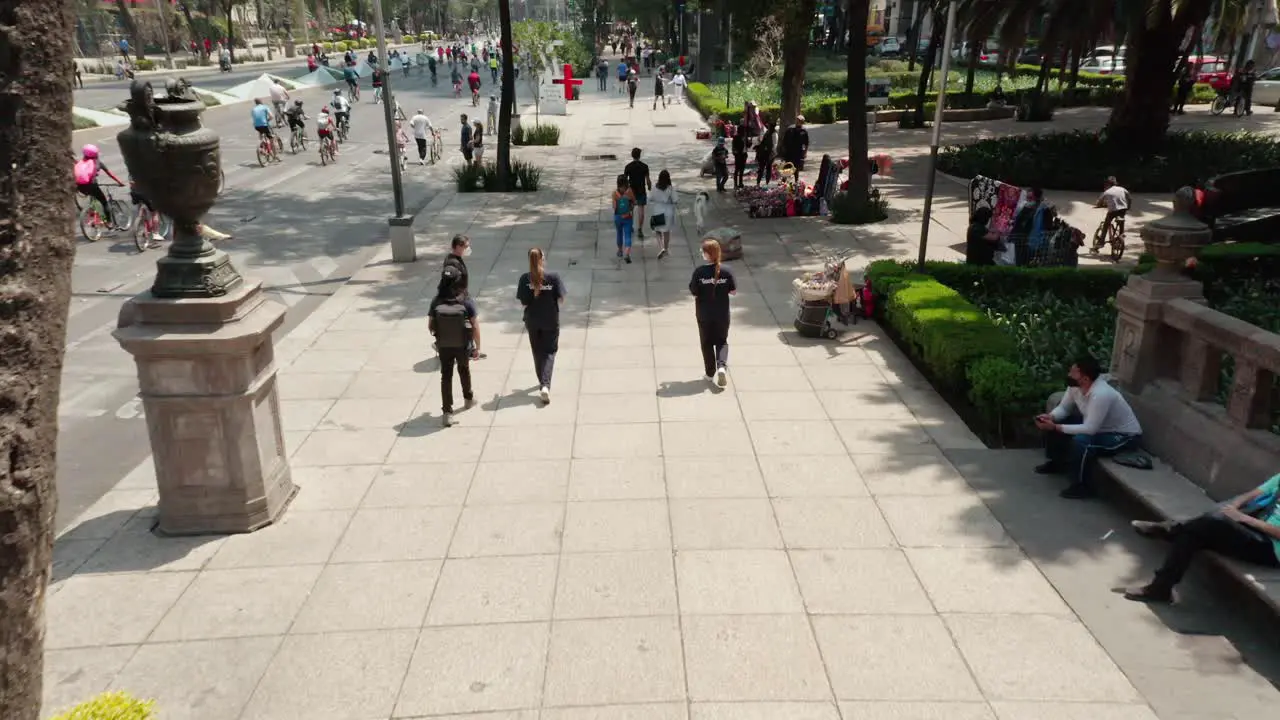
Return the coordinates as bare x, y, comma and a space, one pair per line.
277, 115
343, 128
353, 93
269, 148
148, 224
1109, 232
328, 151
93, 224
437, 147
298, 140
457, 90
475, 98
1227, 99
377, 95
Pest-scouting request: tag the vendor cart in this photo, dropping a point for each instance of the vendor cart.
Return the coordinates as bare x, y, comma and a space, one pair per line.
826, 301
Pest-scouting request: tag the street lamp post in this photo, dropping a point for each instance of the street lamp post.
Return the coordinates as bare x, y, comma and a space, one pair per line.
403, 248
937, 133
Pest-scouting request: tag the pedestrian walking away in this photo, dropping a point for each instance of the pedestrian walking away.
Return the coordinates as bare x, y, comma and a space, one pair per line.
638, 180
623, 203
662, 211
720, 164
452, 320
711, 286
739, 155
541, 294
459, 249
657, 91
466, 139
421, 132
764, 154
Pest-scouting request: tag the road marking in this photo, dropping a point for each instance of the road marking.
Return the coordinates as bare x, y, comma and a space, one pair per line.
131, 410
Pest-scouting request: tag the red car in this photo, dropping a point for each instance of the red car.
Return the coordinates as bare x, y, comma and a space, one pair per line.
1212, 70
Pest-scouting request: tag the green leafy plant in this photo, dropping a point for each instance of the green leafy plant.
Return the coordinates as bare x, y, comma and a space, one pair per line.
79, 122
468, 178
1078, 160
525, 177
536, 135
528, 176
111, 706
850, 211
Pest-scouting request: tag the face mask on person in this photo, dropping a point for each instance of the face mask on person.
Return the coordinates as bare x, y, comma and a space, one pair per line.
466, 251
1072, 382
706, 258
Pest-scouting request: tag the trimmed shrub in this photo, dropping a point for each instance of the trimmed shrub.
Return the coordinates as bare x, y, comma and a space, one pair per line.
1077, 160
1093, 284
82, 123
111, 706
525, 177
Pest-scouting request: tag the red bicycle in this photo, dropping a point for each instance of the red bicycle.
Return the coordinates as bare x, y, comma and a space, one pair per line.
149, 228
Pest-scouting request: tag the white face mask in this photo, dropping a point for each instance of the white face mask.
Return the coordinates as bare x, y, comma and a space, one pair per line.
466, 252
706, 258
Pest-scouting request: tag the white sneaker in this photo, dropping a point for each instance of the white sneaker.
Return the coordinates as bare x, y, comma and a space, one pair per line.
722, 377
545, 394
711, 380
447, 420
422, 162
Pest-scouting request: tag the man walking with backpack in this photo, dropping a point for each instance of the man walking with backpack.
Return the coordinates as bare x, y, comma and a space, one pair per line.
452, 320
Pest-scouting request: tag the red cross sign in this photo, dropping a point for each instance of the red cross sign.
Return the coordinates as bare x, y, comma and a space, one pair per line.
567, 81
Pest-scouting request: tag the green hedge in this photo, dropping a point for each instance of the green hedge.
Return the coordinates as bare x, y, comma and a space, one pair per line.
1078, 160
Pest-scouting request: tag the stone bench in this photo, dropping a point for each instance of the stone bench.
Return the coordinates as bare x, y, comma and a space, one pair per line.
1169, 496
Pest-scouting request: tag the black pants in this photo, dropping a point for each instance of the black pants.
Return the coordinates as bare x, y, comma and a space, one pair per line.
604, 79
545, 343
722, 175
1213, 531
448, 358
713, 336
764, 169
94, 191
422, 148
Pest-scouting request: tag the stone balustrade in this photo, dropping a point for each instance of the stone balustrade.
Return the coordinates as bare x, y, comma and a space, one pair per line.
1168, 356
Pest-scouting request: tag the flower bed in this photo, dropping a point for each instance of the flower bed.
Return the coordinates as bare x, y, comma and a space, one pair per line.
1078, 160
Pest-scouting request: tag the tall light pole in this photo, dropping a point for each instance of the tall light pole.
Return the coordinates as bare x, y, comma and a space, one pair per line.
937, 132
402, 245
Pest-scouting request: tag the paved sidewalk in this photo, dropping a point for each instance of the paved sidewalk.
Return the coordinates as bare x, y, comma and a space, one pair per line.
795, 547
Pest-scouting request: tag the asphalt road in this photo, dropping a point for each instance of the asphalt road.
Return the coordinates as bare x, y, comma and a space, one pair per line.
300, 227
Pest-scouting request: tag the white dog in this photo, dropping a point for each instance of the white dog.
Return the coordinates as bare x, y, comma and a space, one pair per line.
700, 210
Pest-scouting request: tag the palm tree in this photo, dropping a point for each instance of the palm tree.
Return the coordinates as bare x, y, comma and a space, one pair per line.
36, 252
508, 95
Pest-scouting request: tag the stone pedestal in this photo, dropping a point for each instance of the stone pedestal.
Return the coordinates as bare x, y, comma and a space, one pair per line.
1143, 344
208, 385
404, 248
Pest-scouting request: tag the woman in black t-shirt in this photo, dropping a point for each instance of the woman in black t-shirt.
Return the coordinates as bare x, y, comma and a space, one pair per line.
981, 243
541, 293
711, 286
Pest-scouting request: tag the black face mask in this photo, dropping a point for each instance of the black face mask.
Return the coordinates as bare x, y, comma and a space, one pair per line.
1072, 382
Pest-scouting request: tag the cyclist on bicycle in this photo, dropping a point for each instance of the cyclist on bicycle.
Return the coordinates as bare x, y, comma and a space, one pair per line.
324, 129
279, 98
431, 65
473, 81
261, 115
455, 77
377, 85
86, 174
341, 109
352, 77
1115, 199
296, 116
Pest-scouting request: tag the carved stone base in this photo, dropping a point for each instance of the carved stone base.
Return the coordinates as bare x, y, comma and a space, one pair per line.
203, 276
1142, 344
208, 385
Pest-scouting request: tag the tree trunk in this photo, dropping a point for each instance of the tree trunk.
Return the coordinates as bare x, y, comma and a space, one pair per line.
795, 53
1140, 119
926, 70
231, 31
130, 28
859, 172
36, 251
913, 34
1075, 65
508, 94
972, 69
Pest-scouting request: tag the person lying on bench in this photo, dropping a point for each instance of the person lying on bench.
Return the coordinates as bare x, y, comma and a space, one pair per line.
1246, 528
1093, 420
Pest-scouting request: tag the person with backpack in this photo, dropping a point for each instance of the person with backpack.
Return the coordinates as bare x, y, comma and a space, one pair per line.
623, 202
711, 286
452, 320
541, 293
86, 172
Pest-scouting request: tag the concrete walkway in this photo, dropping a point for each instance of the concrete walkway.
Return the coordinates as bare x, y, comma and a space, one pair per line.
795, 547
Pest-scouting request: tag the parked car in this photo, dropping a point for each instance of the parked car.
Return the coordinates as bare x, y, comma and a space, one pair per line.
1030, 56
889, 47
1266, 90
989, 55
1211, 70
1107, 65
1107, 51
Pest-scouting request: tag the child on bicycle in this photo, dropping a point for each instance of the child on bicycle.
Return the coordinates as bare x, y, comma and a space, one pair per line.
296, 116
324, 129
473, 81
1115, 199
86, 174
352, 77
455, 77
376, 80
341, 109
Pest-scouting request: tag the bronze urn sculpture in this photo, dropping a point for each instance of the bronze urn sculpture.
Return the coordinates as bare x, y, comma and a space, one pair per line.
176, 163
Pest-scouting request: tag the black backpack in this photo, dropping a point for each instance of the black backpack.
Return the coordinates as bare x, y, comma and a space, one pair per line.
451, 325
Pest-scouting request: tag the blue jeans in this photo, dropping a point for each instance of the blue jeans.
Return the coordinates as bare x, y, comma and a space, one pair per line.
622, 226
1076, 453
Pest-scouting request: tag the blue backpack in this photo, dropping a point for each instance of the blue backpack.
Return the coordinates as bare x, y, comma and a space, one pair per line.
624, 205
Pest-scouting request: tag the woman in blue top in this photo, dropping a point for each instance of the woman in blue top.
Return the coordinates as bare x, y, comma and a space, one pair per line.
624, 202
541, 293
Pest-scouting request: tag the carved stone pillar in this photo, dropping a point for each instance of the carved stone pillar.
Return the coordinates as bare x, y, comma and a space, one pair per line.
1142, 342
1249, 404
1201, 364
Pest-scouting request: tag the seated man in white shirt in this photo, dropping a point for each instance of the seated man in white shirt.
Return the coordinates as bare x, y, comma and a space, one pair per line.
1093, 420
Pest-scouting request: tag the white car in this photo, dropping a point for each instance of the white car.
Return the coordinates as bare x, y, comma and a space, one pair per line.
1108, 51
1108, 65
1266, 89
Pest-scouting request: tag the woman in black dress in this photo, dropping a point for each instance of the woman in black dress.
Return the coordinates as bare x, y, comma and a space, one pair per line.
541, 293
